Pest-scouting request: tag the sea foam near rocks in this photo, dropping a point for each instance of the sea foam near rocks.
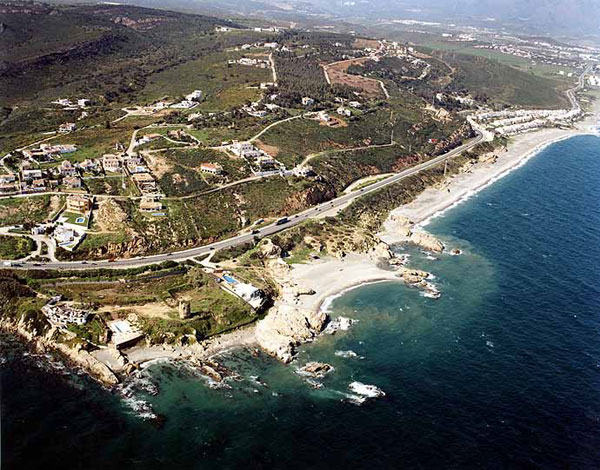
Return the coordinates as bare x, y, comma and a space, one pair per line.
339, 324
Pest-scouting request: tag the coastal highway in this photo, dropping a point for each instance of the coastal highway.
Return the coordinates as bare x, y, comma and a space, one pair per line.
293, 220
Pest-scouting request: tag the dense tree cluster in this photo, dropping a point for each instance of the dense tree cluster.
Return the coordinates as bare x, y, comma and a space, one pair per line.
300, 76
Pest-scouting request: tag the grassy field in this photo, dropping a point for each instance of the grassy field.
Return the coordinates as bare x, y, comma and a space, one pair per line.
501, 84
111, 185
295, 139
224, 86
15, 247
30, 210
93, 142
520, 63
234, 168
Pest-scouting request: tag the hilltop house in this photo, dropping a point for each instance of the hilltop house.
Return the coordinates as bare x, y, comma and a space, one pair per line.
244, 149
67, 169
212, 168
150, 204
73, 182
195, 95
67, 127
78, 203
32, 174
145, 182
306, 101
111, 163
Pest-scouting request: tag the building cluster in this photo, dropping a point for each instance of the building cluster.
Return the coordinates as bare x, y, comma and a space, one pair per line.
511, 122
594, 80
34, 178
61, 314
78, 103
47, 153
257, 45
260, 162
135, 167
251, 62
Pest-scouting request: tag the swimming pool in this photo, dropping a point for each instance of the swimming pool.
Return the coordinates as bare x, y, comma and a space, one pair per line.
230, 279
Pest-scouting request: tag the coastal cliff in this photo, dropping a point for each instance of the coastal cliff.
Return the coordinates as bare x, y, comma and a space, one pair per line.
43, 342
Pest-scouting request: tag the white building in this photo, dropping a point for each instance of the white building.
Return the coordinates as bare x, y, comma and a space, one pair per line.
194, 95
307, 101
211, 168
185, 104
64, 314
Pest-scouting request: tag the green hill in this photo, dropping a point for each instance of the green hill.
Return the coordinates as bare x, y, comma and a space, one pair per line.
99, 51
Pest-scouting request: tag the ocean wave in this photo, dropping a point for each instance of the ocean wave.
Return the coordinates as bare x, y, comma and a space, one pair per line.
339, 324
346, 354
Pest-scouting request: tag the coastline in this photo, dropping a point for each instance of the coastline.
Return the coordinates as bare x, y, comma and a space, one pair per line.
323, 280
433, 202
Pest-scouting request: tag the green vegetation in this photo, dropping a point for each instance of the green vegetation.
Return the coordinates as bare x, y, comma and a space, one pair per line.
87, 50
500, 84
13, 247
30, 210
369, 211
225, 86
153, 293
111, 185
185, 177
293, 140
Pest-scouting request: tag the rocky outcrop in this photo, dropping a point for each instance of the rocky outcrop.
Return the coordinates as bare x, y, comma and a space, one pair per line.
285, 327
412, 276
401, 225
316, 369
307, 198
381, 251
427, 241
268, 249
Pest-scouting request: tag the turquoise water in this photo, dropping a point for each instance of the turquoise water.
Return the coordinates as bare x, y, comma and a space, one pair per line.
502, 371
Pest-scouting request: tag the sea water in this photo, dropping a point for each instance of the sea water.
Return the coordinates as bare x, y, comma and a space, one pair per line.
503, 371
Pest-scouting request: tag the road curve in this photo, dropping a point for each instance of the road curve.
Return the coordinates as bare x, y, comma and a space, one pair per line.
294, 220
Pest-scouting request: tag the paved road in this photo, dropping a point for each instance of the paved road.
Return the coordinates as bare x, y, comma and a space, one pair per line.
296, 219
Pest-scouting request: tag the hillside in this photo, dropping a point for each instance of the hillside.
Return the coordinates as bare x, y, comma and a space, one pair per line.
105, 51
501, 84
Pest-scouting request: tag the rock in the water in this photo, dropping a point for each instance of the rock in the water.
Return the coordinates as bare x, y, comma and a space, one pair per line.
427, 241
316, 369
